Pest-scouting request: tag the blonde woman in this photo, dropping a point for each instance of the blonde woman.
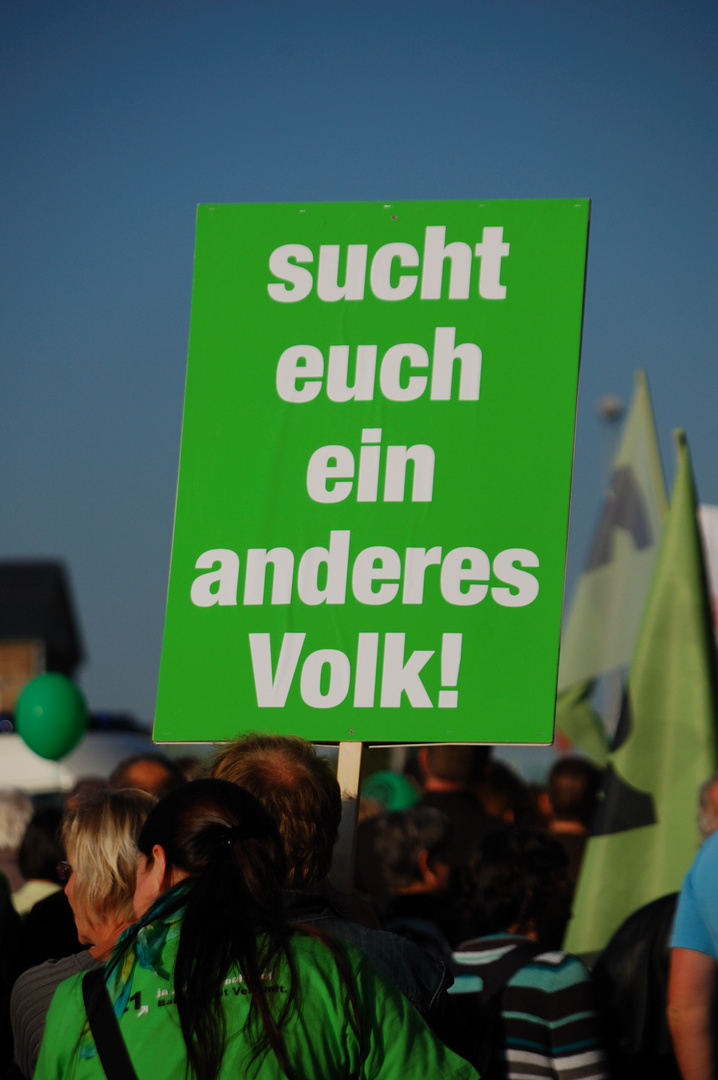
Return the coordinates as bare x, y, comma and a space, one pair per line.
99, 836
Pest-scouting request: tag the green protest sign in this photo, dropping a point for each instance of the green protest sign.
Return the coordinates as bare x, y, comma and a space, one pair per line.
374, 479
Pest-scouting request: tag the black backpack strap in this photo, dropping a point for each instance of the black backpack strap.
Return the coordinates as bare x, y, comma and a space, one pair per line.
105, 1028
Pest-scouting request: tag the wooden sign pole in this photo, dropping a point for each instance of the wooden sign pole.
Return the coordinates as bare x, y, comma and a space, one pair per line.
348, 773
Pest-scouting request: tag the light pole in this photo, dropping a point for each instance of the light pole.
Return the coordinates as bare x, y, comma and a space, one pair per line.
610, 410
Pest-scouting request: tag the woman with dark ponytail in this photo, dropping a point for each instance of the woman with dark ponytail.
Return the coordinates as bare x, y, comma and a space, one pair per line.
213, 982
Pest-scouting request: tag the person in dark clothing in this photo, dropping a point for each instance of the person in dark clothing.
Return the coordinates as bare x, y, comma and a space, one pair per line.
9, 927
40, 852
449, 775
385, 791
302, 794
505, 796
48, 932
573, 787
545, 1022
411, 848
631, 980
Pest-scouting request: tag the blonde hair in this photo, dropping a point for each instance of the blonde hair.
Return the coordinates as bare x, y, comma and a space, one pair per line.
100, 838
15, 812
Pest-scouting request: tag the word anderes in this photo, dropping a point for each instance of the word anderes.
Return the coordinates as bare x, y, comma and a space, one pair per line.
387, 277
377, 574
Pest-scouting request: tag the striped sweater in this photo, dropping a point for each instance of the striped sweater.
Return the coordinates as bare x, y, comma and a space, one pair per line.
550, 1026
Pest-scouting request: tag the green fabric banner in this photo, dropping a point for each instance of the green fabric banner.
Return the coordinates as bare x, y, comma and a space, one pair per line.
577, 719
610, 597
645, 835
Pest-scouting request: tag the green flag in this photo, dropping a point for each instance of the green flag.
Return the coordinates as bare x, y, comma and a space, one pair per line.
601, 629
579, 721
645, 834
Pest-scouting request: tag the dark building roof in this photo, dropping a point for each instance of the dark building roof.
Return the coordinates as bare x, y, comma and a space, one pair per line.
36, 602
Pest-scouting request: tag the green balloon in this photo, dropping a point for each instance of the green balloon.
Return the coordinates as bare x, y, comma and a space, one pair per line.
51, 715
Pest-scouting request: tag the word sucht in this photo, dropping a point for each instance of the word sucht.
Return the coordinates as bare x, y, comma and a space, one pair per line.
387, 277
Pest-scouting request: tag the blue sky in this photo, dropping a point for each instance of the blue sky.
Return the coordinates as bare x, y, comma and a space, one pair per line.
119, 118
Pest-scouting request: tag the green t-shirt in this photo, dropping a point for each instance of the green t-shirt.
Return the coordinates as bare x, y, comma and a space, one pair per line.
320, 1040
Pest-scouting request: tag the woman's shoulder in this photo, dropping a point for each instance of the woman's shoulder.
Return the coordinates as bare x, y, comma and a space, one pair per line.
397, 1040
326, 965
323, 954
329, 953
68, 993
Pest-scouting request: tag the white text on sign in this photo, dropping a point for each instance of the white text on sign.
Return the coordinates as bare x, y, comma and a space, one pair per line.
300, 371
388, 279
463, 575
326, 675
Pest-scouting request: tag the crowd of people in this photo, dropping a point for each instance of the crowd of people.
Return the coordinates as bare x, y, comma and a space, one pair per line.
173, 921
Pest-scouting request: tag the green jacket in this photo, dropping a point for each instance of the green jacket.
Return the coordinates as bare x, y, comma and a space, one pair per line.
319, 1036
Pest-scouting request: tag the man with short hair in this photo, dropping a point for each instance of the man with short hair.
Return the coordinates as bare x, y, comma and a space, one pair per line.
301, 792
573, 787
410, 846
299, 789
449, 776
156, 774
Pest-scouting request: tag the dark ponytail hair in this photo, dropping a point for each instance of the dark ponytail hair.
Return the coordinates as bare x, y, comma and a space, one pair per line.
228, 844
